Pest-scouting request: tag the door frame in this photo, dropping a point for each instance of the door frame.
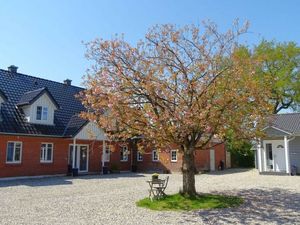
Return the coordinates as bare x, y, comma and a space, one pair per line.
275, 161
267, 156
78, 157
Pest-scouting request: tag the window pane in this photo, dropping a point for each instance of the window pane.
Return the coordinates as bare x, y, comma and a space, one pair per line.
49, 152
174, 156
124, 154
45, 113
154, 155
43, 149
140, 156
10, 152
42, 153
17, 154
39, 113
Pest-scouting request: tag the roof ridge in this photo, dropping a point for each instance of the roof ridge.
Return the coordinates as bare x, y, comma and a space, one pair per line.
41, 78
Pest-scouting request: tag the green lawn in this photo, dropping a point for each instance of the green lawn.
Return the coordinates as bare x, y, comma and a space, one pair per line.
177, 202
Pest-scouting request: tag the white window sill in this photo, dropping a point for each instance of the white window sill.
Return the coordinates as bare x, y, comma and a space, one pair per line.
124, 160
173, 161
46, 162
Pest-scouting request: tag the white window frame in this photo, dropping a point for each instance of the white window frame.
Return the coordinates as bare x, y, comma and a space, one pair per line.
43, 160
14, 151
139, 156
174, 160
36, 113
44, 113
153, 153
124, 149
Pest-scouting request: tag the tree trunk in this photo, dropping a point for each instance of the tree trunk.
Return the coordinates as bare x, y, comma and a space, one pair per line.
188, 171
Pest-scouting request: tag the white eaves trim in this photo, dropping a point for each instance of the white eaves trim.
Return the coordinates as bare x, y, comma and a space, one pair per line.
276, 128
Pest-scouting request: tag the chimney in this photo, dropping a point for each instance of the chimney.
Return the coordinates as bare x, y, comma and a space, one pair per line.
67, 82
12, 69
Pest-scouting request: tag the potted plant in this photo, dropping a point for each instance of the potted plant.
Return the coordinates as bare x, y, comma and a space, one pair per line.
155, 176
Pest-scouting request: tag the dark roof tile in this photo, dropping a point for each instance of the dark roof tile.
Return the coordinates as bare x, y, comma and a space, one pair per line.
289, 122
20, 88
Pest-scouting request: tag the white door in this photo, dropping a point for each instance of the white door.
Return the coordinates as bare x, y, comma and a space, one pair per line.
279, 159
212, 160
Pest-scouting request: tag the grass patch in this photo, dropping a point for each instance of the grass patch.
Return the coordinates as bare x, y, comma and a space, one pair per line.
178, 202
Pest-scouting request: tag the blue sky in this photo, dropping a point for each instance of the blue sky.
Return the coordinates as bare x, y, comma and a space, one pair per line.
44, 37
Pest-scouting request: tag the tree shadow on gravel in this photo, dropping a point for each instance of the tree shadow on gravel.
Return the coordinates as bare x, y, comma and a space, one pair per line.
275, 206
63, 180
36, 182
230, 171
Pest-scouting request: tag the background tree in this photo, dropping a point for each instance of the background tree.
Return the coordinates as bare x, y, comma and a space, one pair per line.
179, 86
280, 70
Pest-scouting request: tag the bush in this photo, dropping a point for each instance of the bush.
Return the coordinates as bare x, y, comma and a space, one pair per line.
241, 151
114, 168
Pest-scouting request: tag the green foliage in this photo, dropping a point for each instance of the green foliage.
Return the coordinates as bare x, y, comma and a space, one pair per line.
178, 202
114, 168
241, 151
280, 70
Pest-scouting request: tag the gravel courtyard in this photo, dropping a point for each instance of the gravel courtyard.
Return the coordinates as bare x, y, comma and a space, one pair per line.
111, 199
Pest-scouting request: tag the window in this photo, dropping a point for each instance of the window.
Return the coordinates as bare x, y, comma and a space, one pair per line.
124, 153
107, 154
45, 113
269, 151
173, 155
155, 156
139, 156
41, 113
14, 152
46, 152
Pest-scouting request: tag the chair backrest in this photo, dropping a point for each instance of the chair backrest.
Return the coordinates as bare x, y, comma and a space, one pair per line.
166, 182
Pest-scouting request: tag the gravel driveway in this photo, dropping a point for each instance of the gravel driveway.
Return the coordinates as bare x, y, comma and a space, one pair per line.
111, 199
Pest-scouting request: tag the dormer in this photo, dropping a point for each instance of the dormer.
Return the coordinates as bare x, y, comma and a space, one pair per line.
38, 106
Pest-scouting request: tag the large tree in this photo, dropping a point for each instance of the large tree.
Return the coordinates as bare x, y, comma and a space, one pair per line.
280, 70
179, 86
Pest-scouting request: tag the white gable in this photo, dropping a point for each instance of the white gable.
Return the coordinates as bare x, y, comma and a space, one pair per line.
91, 132
43, 101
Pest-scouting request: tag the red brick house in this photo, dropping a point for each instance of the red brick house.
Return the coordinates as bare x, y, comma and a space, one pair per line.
39, 125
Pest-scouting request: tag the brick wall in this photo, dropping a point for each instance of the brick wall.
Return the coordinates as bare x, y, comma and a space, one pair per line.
30, 163
202, 160
31, 166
